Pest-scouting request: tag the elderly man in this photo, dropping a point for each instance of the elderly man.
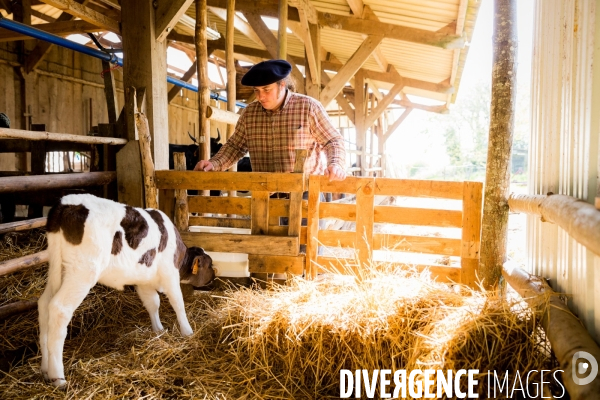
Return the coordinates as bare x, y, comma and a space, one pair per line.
279, 122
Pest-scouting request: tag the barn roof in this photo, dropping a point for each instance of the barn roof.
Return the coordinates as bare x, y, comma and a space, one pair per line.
425, 42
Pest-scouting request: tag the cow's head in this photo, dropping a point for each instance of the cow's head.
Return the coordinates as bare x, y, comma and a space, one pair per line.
198, 268
215, 146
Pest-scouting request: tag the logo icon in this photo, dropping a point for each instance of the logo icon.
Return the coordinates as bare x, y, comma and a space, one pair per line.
584, 363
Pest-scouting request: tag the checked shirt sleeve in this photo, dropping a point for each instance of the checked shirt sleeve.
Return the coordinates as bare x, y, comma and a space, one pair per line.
234, 149
327, 136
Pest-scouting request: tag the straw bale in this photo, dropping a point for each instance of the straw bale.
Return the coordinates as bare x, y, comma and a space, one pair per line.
286, 343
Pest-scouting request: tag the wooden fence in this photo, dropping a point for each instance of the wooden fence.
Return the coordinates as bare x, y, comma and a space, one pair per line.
275, 248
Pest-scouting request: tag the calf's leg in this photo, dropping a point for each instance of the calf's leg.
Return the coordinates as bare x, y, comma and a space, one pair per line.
173, 291
151, 301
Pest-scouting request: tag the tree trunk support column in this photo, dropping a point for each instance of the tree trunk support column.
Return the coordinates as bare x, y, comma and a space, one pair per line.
497, 177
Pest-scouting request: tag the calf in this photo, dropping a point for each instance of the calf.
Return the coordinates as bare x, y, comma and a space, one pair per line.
93, 240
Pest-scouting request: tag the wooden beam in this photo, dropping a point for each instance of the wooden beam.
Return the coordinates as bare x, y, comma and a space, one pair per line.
270, 42
167, 15
238, 23
383, 105
5, 4
11, 184
85, 13
110, 92
310, 50
305, 6
352, 66
60, 28
313, 74
392, 76
357, 7
392, 128
282, 30
42, 16
230, 67
341, 100
64, 137
189, 74
203, 79
391, 31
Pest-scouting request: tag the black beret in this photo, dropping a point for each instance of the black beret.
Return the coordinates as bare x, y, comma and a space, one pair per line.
267, 72
4, 121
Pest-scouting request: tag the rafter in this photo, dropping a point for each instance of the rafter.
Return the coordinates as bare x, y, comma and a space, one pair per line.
308, 44
347, 71
269, 41
167, 15
383, 104
357, 7
60, 28
392, 76
238, 23
186, 78
392, 128
304, 6
391, 31
85, 13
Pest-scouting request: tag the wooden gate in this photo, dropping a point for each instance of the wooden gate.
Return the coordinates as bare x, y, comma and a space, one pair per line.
275, 248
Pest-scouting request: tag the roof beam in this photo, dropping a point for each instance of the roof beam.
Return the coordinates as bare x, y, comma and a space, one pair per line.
238, 24
383, 104
60, 28
305, 7
85, 13
357, 7
310, 50
167, 15
359, 57
394, 77
391, 31
270, 42
404, 102
186, 78
392, 128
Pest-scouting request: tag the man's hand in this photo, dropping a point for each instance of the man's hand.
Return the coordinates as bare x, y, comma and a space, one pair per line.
335, 173
204, 165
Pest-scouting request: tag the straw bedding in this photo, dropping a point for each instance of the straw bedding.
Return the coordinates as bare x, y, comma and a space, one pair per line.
288, 342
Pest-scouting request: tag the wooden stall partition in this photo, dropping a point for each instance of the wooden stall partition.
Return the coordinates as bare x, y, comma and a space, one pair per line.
366, 214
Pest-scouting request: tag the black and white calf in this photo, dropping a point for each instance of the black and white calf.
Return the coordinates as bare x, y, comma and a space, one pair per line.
93, 240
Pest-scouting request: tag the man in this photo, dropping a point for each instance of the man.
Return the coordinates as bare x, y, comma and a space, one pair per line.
279, 122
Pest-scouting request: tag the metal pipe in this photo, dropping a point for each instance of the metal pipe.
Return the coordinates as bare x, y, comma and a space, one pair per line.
112, 58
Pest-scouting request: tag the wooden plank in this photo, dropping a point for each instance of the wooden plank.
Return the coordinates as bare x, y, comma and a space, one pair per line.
219, 205
260, 263
271, 182
279, 207
312, 235
166, 202
418, 216
86, 14
167, 15
23, 225
182, 212
259, 211
348, 185
335, 238
391, 31
65, 137
295, 204
346, 212
356, 61
471, 232
221, 222
55, 181
249, 244
17, 264
417, 244
60, 28
219, 115
365, 203
418, 188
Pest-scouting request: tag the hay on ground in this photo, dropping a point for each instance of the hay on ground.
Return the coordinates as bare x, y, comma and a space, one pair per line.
285, 343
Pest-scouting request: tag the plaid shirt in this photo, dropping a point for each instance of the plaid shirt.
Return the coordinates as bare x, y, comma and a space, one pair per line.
271, 137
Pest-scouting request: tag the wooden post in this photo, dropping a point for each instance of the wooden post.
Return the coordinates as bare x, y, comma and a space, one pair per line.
151, 195
359, 118
17, 264
312, 234
110, 92
313, 89
38, 167
471, 232
145, 66
295, 214
497, 176
282, 33
181, 203
203, 80
231, 72
365, 203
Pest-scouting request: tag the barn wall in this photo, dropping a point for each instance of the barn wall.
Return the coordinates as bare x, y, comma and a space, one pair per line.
564, 144
73, 107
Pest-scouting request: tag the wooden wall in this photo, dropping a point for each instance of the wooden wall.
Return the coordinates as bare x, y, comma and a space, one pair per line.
67, 105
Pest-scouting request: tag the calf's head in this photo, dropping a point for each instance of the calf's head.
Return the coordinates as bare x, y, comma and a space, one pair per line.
197, 268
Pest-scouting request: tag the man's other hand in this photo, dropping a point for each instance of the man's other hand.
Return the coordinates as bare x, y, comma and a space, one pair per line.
204, 165
335, 173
